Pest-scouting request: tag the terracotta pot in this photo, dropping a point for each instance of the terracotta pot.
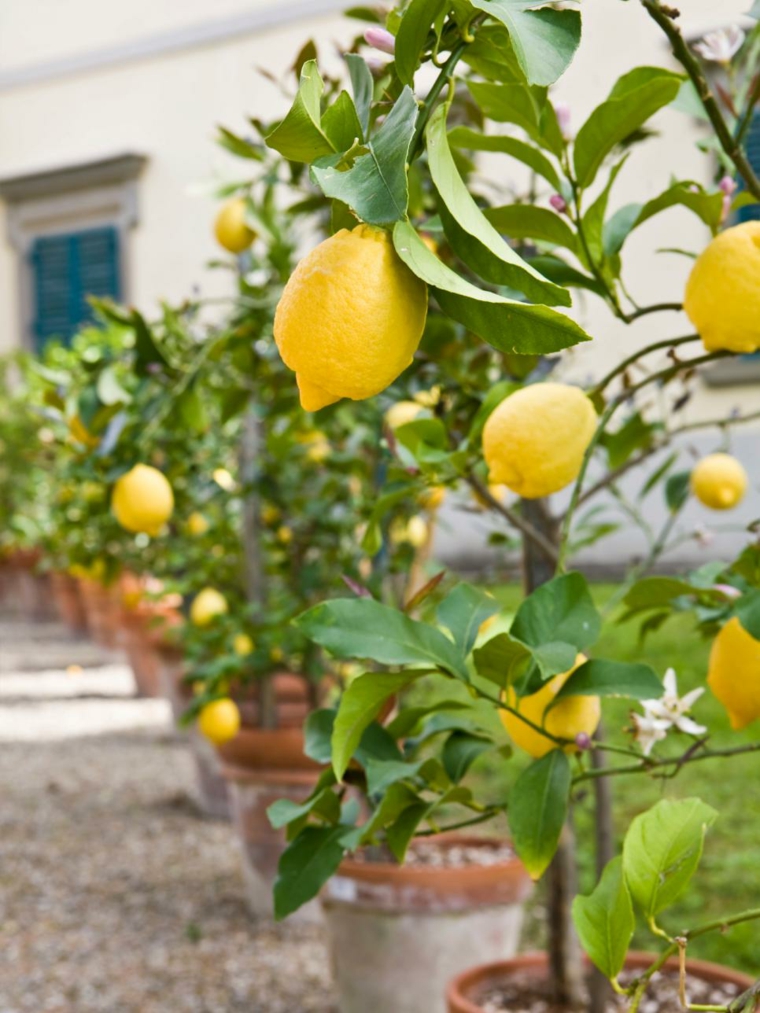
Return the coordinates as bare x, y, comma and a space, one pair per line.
398, 932
146, 623
142, 655
102, 606
68, 601
211, 792
463, 991
28, 593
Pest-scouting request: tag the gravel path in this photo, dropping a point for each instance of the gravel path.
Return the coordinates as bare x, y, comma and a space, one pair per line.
115, 896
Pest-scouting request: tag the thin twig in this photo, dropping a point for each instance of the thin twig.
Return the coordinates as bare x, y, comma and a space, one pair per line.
513, 517
648, 764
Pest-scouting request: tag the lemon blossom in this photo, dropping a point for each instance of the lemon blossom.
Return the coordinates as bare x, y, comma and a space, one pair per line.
722, 45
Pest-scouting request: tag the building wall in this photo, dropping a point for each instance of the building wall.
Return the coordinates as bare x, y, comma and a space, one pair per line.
85, 80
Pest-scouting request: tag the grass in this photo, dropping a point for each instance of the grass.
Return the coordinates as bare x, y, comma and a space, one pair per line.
728, 879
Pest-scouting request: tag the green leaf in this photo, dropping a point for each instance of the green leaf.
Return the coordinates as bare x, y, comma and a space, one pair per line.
376, 185
300, 137
525, 221
677, 489
322, 800
662, 850
318, 729
560, 610
552, 266
147, 352
501, 659
192, 410
492, 400
472, 236
341, 123
544, 41
707, 206
459, 752
612, 678
110, 391
308, 862
363, 628
238, 145
412, 34
526, 107
553, 658
605, 922
407, 721
635, 97
381, 774
359, 705
593, 220
655, 592
463, 611
537, 809
504, 323
747, 611
473, 140
362, 86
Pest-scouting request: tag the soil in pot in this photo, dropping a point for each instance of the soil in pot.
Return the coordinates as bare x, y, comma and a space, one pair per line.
521, 986
397, 933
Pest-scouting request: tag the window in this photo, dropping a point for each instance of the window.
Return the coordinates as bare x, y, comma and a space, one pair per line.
66, 269
751, 213
70, 228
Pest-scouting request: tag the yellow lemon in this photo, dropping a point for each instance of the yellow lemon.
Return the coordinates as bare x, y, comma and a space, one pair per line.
535, 440
722, 297
428, 398
318, 447
207, 604
219, 721
230, 226
284, 535
197, 524
719, 481
400, 413
142, 500
242, 644
223, 479
432, 499
497, 491
734, 673
572, 716
350, 318
276, 654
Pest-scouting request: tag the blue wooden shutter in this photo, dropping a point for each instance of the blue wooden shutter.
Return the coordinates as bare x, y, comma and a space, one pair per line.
751, 212
66, 269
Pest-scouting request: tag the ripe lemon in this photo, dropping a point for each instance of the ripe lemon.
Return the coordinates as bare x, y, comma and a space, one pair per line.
197, 524
318, 446
207, 604
142, 500
230, 227
350, 318
242, 644
734, 673
534, 441
223, 479
722, 297
219, 721
719, 481
432, 499
269, 514
284, 535
400, 413
571, 717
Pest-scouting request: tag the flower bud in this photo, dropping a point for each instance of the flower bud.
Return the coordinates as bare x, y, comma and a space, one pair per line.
583, 741
562, 109
380, 38
558, 202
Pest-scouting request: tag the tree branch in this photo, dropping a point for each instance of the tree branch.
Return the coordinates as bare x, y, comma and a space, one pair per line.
513, 517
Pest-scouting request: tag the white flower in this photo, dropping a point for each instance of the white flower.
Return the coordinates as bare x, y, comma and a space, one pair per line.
648, 730
721, 46
672, 708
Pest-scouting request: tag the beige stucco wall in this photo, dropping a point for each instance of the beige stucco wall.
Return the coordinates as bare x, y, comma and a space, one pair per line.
166, 106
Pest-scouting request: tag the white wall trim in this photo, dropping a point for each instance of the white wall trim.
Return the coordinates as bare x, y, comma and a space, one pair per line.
189, 36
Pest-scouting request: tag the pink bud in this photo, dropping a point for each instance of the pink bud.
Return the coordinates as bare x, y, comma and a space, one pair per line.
728, 186
562, 109
558, 202
381, 39
728, 590
582, 741
725, 207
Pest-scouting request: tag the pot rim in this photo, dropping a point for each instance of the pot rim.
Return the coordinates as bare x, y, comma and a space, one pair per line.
457, 1001
353, 868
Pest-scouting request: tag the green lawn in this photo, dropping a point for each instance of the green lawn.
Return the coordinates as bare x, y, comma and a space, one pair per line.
729, 877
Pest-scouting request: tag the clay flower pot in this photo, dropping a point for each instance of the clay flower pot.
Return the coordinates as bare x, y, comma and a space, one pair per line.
465, 991
262, 765
68, 601
146, 623
102, 605
28, 592
397, 933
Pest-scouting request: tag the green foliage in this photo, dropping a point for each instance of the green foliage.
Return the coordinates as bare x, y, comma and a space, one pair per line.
537, 809
605, 920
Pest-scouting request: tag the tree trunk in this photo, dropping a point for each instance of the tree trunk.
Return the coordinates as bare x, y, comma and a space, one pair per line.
564, 948
249, 449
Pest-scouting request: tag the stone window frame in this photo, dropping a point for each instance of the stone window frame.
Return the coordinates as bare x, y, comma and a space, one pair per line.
69, 199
